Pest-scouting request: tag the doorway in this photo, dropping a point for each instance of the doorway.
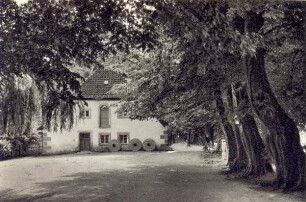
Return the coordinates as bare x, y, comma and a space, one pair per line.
84, 141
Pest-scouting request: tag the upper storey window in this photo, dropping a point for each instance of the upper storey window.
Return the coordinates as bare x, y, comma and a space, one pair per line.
104, 117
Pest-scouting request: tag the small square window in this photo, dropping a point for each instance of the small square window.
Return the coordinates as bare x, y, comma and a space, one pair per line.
105, 82
124, 138
104, 138
85, 113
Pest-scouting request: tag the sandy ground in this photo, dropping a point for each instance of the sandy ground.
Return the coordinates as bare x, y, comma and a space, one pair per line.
186, 175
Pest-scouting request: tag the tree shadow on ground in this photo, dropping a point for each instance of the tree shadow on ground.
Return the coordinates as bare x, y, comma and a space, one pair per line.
150, 183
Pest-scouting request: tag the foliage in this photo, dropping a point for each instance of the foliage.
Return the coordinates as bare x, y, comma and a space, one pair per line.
45, 39
207, 43
210, 38
287, 77
18, 108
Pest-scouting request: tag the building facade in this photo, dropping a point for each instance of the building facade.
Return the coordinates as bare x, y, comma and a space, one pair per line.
99, 126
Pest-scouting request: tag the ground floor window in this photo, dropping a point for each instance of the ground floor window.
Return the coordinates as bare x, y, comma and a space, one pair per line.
123, 138
104, 138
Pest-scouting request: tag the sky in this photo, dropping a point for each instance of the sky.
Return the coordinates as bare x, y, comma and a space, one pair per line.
21, 1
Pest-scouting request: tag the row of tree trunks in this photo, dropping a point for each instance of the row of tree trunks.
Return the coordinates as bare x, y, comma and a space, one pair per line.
253, 146
225, 128
230, 140
240, 161
249, 134
245, 144
282, 139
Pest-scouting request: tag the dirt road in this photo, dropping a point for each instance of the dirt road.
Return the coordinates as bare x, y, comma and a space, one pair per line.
126, 176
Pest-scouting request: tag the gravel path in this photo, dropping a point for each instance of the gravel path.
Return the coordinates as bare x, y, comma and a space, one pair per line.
127, 176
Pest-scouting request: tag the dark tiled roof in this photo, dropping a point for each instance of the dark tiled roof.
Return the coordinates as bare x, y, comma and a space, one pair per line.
95, 88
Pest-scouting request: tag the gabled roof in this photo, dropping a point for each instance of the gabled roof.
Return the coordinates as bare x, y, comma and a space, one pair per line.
99, 84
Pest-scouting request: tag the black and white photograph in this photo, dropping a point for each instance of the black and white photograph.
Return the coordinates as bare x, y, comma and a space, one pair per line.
152, 101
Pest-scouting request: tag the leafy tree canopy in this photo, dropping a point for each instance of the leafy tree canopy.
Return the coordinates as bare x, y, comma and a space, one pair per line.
208, 43
44, 39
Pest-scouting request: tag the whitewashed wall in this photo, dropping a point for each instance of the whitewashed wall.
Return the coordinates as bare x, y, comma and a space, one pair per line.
69, 140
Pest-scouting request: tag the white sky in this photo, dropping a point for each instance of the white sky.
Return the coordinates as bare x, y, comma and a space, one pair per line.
21, 1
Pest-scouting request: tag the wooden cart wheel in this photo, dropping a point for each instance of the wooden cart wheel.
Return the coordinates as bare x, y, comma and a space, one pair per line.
149, 145
135, 145
114, 146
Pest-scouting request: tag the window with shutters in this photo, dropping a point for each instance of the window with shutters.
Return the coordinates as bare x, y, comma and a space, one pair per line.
104, 117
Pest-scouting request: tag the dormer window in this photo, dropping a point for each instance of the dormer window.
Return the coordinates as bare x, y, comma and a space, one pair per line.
105, 82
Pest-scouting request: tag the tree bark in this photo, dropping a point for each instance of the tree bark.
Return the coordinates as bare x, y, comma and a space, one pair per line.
253, 145
231, 142
241, 160
283, 136
249, 143
226, 129
209, 133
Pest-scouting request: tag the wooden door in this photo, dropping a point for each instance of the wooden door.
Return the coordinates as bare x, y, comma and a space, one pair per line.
84, 141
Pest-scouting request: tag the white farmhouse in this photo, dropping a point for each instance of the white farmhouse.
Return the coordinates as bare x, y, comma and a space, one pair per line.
100, 128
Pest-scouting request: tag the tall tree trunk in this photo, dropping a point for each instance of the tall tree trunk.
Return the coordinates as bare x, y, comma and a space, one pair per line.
208, 132
253, 145
240, 160
250, 145
211, 134
227, 130
231, 143
283, 136
249, 133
